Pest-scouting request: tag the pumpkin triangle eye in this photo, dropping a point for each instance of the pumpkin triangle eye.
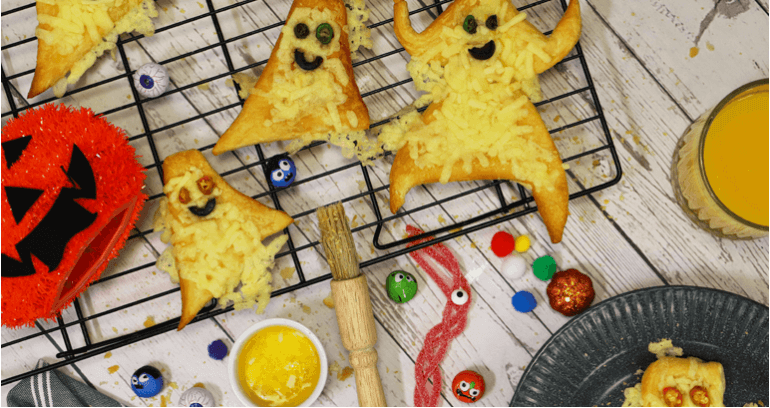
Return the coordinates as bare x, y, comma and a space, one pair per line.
21, 200
14, 148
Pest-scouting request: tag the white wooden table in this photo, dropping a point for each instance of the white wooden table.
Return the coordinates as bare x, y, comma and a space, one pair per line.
657, 65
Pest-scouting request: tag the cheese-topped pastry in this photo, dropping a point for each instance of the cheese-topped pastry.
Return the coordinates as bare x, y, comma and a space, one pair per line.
73, 33
308, 91
478, 64
216, 235
683, 382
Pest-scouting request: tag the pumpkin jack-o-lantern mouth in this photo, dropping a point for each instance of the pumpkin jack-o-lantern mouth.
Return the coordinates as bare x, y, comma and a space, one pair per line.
66, 218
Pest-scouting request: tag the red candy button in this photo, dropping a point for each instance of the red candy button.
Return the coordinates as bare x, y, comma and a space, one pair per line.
503, 244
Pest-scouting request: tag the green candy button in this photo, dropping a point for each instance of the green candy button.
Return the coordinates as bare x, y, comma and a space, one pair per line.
544, 268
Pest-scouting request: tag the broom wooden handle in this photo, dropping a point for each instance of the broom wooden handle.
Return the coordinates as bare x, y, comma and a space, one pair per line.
359, 335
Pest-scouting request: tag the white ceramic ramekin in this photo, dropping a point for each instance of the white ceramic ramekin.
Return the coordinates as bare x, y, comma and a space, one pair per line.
232, 363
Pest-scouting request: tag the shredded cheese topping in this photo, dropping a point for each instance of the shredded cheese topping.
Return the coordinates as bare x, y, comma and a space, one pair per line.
217, 252
359, 34
478, 103
93, 20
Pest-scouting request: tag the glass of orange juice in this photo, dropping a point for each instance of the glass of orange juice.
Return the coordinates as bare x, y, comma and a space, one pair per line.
720, 167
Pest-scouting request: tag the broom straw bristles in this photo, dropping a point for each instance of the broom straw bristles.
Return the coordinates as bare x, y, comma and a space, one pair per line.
338, 242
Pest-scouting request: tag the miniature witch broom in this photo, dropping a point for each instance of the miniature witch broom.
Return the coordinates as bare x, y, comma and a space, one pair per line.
352, 304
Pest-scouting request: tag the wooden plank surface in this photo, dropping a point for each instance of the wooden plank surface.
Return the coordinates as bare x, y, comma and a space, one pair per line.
649, 80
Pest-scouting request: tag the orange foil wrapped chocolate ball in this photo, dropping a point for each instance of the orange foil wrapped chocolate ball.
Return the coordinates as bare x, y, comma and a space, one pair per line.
570, 292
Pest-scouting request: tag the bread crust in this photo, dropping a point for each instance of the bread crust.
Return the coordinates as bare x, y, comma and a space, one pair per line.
52, 66
267, 220
249, 129
682, 373
552, 201
550, 189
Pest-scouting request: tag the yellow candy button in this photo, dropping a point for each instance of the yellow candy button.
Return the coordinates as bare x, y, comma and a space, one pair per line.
522, 243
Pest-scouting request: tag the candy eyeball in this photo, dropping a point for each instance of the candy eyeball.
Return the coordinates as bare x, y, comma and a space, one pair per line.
460, 297
196, 397
151, 80
281, 171
401, 286
147, 382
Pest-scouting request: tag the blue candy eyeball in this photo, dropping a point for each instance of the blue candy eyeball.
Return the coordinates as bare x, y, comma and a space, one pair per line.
147, 382
151, 80
282, 171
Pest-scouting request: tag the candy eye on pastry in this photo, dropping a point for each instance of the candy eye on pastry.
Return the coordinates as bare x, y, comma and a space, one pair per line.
184, 195
492, 22
324, 33
470, 24
301, 31
205, 185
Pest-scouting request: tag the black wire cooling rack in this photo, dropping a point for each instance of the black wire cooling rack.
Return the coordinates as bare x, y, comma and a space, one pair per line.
572, 67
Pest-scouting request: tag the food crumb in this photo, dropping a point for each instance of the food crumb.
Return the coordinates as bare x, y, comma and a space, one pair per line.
108, 354
694, 51
113, 369
329, 302
441, 218
345, 373
149, 322
199, 385
709, 46
204, 87
306, 309
287, 272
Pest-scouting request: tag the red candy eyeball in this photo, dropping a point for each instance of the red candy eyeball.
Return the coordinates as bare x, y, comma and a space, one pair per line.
503, 244
570, 292
468, 386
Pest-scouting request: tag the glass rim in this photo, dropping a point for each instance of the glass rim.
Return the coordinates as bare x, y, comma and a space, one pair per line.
701, 146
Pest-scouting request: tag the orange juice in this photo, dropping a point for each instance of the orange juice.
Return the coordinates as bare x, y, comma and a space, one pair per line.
720, 167
735, 157
279, 367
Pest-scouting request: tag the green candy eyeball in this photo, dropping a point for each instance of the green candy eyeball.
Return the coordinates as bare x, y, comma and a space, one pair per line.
401, 286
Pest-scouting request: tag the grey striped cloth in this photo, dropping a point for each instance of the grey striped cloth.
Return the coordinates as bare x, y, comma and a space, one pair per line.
54, 389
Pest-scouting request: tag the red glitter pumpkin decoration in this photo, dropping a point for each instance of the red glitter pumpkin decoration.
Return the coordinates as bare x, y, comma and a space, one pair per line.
570, 292
468, 386
72, 191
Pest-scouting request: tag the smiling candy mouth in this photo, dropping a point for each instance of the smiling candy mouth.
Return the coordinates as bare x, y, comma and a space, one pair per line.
288, 176
460, 393
483, 53
299, 58
138, 386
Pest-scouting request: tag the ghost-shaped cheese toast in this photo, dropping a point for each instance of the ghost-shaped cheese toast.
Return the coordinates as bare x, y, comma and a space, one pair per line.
307, 91
216, 236
479, 62
73, 33
683, 382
